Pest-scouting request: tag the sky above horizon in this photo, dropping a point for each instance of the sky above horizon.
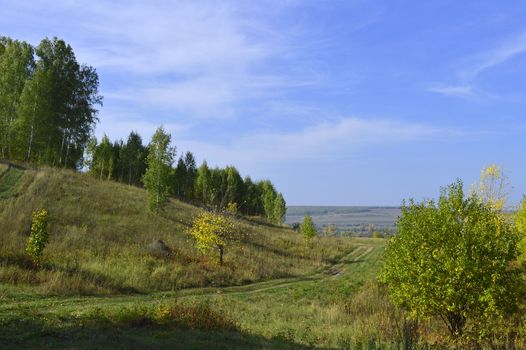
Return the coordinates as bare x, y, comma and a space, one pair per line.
337, 102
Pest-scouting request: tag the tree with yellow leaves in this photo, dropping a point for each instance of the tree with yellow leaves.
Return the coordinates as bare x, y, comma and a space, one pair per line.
39, 236
520, 223
214, 231
492, 188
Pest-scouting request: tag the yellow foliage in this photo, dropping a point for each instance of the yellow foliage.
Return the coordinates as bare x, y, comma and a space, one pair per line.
231, 208
211, 230
39, 236
520, 223
492, 187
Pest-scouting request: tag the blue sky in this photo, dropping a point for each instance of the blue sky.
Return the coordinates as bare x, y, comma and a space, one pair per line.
337, 102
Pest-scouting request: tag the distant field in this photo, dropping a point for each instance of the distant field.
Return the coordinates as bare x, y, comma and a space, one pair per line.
347, 219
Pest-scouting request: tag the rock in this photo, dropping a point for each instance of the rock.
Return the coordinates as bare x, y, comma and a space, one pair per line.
159, 249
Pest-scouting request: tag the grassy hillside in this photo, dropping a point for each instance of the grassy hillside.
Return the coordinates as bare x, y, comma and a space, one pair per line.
100, 231
101, 288
339, 307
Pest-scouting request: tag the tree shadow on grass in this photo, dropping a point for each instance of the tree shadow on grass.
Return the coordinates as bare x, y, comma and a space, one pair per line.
280, 252
33, 334
23, 262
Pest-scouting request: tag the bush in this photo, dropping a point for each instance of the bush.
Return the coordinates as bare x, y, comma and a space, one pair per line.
308, 229
38, 237
453, 259
377, 234
214, 231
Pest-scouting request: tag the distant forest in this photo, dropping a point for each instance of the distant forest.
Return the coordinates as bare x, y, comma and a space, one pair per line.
48, 112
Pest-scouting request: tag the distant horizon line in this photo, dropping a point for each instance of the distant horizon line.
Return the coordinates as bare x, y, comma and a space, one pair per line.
344, 205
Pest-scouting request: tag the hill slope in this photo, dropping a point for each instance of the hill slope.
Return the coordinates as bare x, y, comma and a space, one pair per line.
315, 311
100, 231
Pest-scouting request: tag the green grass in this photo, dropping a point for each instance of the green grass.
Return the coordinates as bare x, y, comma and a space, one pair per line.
299, 312
9, 179
100, 230
99, 288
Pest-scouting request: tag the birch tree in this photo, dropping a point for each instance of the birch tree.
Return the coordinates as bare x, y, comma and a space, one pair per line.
157, 176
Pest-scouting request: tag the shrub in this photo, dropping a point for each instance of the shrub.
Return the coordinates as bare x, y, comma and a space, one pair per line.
308, 229
211, 230
452, 259
377, 234
38, 237
231, 208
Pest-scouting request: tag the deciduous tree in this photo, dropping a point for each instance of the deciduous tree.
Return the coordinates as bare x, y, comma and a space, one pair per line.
520, 222
202, 184
280, 209
451, 259
493, 187
38, 238
308, 229
156, 178
214, 231
16, 67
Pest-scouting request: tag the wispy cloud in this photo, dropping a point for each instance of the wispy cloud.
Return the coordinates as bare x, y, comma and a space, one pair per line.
495, 56
183, 37
319, 141
453, 90
200, 58
478, 63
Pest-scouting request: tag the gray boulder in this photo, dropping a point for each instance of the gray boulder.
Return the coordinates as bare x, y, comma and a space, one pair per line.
159, 249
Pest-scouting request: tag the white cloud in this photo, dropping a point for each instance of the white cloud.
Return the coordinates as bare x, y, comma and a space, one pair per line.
496, 56
319, 141
453, 90
479, 63
199, 57
119, 123
183, 37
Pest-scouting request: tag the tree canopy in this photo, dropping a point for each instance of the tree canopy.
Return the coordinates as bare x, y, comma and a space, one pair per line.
214, 231
452, 259
159, 160
307, 228
48, 111
47, 103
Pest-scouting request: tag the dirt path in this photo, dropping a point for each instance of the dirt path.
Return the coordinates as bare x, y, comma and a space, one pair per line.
361, 254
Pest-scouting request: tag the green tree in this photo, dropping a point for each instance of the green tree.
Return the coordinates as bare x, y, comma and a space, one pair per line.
101, 158
280, 209
268, 198
89, 158
117, 166
133, 155
234, 186
34, 118
218, 188
178, 181
191, 173
16, 67
308, 229
159, 160
38, 237
451, 259
202, 184
214, 231
253, 203
73, 96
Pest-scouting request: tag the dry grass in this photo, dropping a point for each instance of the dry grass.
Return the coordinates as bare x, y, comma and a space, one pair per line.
99, 231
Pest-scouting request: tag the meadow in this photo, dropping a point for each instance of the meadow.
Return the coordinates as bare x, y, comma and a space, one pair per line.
101, 231
101, 286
